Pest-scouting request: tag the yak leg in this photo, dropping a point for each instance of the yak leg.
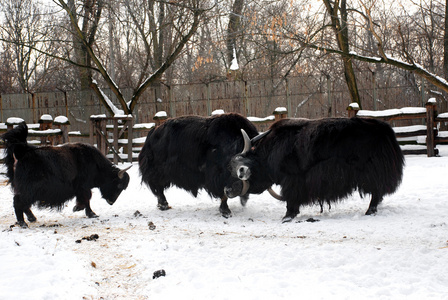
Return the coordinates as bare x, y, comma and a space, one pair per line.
224, 208
293, 200
83, 202
30, 215
374, 204
292, 210
162, 204
19, 210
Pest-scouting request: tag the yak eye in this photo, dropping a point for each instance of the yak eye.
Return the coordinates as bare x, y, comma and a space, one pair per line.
241, 170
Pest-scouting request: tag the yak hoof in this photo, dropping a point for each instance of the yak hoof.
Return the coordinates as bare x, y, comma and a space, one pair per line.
225, 212
91, 215
287, 219
22, 224
77, 208
163, 206
32, 219
371, 211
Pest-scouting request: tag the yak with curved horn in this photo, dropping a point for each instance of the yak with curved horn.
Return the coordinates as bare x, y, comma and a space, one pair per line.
193, 153
319, 161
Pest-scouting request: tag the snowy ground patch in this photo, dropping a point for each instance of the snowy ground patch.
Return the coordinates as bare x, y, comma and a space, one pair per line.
400, 253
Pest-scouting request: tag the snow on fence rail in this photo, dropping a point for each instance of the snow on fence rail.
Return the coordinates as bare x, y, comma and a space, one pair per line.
416, 139
121, 140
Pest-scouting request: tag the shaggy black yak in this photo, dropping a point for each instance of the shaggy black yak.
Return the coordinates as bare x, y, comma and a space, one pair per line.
49, 176
320, 161
193, 153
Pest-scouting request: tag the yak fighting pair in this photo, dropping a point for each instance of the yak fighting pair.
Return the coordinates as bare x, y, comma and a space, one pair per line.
313, 161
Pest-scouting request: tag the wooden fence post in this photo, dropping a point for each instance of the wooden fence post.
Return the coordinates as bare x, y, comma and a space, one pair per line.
115, 140
280, 113
430, 116
160, 117
352, 109
46, 122
62, 123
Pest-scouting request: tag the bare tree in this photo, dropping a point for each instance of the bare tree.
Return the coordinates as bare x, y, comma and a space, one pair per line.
186, 21
24, 30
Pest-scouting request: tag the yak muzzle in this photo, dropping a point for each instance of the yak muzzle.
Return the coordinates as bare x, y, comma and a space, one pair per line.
238, 188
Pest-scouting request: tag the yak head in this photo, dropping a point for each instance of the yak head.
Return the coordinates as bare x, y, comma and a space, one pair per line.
249, 174
115, 184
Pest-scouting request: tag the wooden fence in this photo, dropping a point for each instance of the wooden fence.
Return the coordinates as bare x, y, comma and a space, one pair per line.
121, 140
304, 97
421, 138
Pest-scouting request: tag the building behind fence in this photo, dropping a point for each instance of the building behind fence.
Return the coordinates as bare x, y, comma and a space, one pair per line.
307, 97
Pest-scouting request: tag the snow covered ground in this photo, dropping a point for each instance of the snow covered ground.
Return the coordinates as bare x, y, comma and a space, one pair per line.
400, 253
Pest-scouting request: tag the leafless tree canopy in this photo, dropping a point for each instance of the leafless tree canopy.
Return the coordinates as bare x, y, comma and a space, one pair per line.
122, 44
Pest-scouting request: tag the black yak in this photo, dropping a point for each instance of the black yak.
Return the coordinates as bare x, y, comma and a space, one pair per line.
320, 161
193, 153
50, 176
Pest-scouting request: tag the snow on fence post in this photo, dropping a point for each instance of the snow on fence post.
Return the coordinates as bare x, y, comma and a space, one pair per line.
160, 117
10, 122
62, 123
352, 109
46, 122
280, 113
431, 107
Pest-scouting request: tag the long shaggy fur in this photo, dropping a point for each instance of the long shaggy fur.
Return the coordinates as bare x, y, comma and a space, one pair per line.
50, 176
192, 153
326, 160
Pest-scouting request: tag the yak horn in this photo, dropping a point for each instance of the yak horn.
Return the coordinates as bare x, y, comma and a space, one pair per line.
121, 172
247, 143
274, 194
246, 186
260, 136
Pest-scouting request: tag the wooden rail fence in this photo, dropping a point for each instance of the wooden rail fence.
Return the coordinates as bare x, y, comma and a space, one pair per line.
121, 140
415, 139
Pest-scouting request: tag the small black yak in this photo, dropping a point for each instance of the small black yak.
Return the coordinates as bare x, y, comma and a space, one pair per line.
50, 176
320, 161
193, 153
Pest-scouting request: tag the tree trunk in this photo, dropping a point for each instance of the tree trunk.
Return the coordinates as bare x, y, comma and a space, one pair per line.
341, 30
445, 44
233, 28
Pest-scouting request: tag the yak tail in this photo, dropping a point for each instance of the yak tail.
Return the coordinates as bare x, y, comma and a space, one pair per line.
386, 163
16, 147
393, 161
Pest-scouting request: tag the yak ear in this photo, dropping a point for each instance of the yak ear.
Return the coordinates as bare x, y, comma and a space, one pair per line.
121, 172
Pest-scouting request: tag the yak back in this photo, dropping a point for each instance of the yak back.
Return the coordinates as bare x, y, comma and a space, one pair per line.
57, 174
324, 147
193, 152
